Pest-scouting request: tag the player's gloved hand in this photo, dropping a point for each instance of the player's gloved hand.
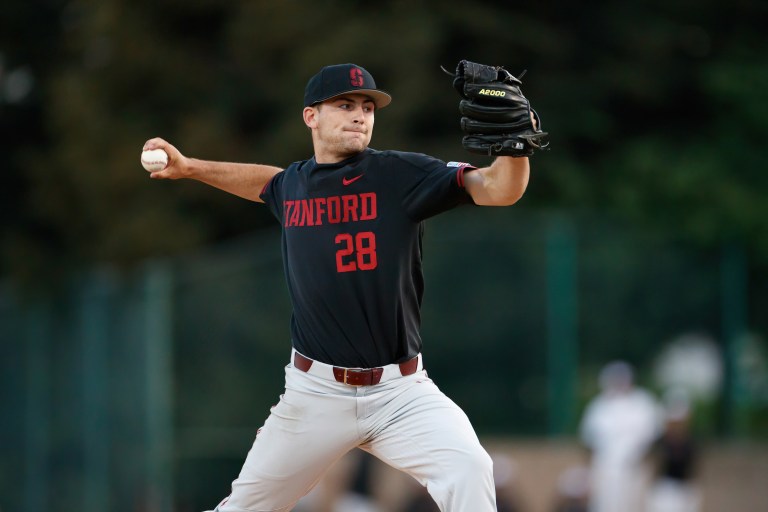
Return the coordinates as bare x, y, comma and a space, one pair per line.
497, 120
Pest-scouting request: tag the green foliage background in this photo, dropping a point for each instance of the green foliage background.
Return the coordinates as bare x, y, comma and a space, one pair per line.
657, 110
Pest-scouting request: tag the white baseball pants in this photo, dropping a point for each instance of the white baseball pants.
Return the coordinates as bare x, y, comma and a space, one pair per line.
406, 422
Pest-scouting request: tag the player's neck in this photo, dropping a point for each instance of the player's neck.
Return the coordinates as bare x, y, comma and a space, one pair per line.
334, 157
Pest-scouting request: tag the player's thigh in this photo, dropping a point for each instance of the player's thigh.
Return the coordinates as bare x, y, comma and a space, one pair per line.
427, 435
296, 445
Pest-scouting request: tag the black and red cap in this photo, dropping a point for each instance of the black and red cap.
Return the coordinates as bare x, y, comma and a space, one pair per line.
340, 79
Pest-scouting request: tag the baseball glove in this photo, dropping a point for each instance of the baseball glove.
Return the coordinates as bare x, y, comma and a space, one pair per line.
496, 117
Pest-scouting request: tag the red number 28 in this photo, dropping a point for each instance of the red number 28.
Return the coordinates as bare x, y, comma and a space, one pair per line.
356, 253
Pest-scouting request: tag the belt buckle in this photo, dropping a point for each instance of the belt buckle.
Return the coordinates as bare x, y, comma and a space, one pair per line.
368, 372
346, 374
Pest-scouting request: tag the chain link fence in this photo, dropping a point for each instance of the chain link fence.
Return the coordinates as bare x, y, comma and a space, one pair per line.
142, 389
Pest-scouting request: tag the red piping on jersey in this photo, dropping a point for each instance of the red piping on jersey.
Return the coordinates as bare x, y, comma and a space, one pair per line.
264, 188
460, 174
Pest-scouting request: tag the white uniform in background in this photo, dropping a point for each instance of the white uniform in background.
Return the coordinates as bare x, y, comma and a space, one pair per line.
619, 426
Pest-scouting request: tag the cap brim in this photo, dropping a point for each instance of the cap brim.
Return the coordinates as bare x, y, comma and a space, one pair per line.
380, 98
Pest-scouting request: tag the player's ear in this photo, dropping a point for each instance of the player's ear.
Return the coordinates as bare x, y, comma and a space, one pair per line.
310, 116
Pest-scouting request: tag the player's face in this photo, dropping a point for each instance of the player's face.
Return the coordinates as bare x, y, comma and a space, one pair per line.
341, 127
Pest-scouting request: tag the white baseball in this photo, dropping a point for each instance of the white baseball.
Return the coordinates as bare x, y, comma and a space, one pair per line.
154, 160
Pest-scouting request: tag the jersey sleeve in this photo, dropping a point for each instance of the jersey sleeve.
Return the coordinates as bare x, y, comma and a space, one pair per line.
433, 186
272, 195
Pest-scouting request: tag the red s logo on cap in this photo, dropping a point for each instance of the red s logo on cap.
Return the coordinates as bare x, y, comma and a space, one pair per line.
356, 77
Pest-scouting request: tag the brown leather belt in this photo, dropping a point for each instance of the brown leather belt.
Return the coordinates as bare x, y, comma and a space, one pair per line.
357, 376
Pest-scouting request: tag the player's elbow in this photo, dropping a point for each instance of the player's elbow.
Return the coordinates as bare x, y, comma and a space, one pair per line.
506, 196
510, 197
508, 181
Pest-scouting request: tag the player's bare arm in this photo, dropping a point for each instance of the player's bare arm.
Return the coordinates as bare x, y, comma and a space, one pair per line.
243, 180
502, 183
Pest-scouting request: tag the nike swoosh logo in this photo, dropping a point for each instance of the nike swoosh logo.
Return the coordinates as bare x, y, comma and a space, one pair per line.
349, 181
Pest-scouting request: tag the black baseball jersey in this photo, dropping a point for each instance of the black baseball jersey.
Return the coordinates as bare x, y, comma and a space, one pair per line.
352, 250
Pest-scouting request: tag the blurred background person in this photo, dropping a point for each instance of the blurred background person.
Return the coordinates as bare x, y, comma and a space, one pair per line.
505, 477
572, 490
675, 456
618, 427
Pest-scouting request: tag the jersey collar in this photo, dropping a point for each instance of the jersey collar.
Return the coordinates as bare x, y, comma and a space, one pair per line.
312, 164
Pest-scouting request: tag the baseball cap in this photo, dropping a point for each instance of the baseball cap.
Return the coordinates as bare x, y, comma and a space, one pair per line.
340, 79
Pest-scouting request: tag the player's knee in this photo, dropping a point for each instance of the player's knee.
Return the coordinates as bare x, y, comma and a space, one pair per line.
473, 466
467, 484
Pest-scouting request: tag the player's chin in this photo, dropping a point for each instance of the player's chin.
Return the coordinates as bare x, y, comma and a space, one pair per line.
355, 145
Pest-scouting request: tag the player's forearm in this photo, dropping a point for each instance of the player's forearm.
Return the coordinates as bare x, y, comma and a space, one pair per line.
502, 183
243, 180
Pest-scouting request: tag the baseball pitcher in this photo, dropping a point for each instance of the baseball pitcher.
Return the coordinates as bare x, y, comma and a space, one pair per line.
352, 223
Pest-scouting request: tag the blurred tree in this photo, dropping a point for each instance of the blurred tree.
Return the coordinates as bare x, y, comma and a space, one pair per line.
27, 51
657, 110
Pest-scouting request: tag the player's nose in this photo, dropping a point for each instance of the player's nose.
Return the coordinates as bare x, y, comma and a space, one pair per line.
358, 114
